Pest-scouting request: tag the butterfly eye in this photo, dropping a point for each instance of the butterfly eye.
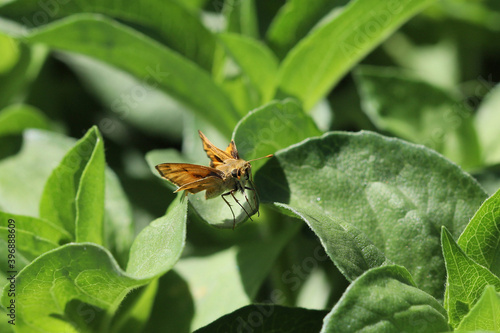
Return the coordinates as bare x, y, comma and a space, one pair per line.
234, 173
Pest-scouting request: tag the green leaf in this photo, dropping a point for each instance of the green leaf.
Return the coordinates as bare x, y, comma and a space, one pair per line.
481, 239
321, 59
168, 21
267, 318
486, 118
385, 299
350, 250
158, 246
270, 128
256, 61
35, 236
45, 288
160, 67
16, 118
240, 272
20, 187
73, 197
420, 112
294, 20
241, 17
390, 190
485, 315
466, 280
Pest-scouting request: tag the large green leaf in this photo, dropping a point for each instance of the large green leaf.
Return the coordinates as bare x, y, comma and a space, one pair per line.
322, 58
481, 239
267, 318
485, 315
396, 193
73, 196
420, 112
350, 250
466, 280
47, 288
157, 65
385, 299
486, 119
168, 21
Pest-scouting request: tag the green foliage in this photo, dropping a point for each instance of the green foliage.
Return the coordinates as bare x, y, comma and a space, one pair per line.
349, 230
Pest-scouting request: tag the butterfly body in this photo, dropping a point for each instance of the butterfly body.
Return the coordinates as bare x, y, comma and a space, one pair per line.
226, 175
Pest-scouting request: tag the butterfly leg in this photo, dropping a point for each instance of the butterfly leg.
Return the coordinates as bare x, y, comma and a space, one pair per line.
232, 194
254, 198
227, 203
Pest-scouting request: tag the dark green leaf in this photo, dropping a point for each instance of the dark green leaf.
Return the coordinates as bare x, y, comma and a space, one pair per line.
385, 299
73, 197
267, 318
323, 57
466, 280
168, 21
160, 67
485, 314
294, 21
396, 193
481, 239
420, 112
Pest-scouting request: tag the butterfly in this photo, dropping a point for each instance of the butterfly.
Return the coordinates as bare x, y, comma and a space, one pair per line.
226, 175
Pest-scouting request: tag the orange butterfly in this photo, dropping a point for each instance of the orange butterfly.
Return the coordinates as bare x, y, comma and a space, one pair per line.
227, 174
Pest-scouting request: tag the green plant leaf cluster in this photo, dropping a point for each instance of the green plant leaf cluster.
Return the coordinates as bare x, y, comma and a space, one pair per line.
347, 231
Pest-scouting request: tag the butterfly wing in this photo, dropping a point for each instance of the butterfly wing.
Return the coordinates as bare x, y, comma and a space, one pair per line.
189, 176
232, 151
216, 155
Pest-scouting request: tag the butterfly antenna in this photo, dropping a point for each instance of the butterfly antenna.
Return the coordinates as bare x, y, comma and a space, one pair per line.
255, 159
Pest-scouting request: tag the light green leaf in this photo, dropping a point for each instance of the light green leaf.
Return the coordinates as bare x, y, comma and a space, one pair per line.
486, 118
169, 21
159, 245
385, 299
16, 118
160, 67
256, 61
485, 315
420, 112
350, 250
321, 59
466, 280
390, 190
73, 197
20, 187
267, 318
481, 239
294, 20
45, 288
237, 279
270, 128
